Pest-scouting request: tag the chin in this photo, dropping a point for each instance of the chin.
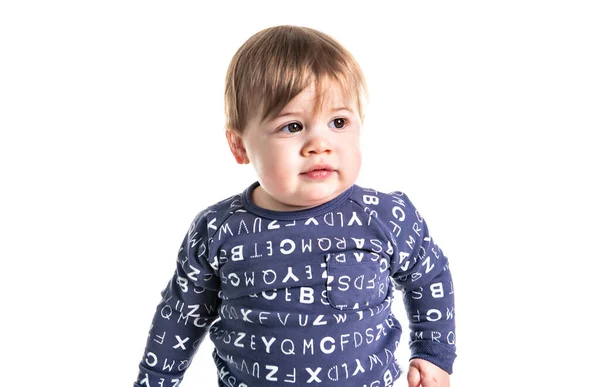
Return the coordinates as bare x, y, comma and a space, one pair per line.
320, 195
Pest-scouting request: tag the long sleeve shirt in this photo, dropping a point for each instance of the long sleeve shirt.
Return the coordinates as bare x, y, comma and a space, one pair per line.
303, 298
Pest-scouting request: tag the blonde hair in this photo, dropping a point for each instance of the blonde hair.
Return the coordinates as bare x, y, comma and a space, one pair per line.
276, 64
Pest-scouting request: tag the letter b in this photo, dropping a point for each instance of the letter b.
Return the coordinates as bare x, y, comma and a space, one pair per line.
368, 199
437, 290
306, 295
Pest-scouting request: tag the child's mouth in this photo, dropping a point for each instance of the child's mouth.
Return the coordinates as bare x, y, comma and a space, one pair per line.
319, 172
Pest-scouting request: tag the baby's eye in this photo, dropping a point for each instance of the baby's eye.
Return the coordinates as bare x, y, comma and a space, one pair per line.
292, 127
338, 123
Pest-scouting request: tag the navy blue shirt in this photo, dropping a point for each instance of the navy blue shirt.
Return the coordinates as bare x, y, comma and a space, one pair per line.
303, 297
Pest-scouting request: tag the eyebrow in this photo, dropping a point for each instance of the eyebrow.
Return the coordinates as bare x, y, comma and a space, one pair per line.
291, 113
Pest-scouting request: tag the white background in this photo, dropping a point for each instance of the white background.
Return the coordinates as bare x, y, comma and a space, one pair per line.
485, 113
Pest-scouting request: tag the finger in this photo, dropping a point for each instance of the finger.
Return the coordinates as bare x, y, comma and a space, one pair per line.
414, 377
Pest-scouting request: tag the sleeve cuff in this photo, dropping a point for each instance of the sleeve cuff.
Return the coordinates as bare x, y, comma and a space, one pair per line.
442, 355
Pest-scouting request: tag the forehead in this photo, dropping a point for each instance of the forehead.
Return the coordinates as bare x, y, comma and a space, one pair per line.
329, 92
318, 98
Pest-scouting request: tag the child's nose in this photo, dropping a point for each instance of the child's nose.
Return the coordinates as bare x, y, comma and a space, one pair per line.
316, 145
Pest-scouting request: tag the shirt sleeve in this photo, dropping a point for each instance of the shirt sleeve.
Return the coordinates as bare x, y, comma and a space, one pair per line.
421, 270
188, 306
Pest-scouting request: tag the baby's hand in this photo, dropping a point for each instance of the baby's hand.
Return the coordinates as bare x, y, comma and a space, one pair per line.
422, 373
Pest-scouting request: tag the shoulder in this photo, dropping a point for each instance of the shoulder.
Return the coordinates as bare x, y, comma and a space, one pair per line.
213, 216
393, 201
393, 209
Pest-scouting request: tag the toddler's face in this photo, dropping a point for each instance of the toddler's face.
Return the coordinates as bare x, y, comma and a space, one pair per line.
303, 157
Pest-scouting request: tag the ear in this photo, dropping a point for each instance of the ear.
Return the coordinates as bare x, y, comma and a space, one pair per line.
237, 147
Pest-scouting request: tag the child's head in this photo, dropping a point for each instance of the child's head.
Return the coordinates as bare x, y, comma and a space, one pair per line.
294, 100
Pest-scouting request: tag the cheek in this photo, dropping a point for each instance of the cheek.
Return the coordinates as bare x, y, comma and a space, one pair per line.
352, 157
275, 163
356, 162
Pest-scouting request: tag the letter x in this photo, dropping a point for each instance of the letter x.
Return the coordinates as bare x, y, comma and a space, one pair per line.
180, 342
314, 375
246, 314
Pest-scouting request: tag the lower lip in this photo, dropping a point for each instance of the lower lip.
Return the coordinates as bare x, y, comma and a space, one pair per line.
318, 175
